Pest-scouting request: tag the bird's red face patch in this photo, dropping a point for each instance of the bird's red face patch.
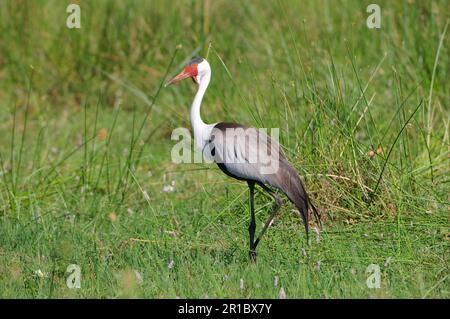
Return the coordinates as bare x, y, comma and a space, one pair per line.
190, 71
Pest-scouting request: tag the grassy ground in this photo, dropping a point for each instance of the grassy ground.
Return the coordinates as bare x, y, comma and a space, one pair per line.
85, 148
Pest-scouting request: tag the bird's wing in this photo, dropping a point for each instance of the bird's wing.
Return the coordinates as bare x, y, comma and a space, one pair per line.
249, 154
245, 153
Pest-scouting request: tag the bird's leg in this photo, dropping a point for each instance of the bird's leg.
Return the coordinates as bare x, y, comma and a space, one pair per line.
252, 226
275, 209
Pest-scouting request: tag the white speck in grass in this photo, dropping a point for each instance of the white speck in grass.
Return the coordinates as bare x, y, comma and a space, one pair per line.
168, 189
171, 233
171, 264
282, 294
318, 266
138, 276
353, 272
275, 281
130, 211
316, 230
149, 174
39, 273
146, 196
366, 235
387, 262
226, 277
241, 284
303, 252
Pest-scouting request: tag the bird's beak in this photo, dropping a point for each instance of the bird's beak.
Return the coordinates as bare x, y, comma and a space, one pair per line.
188, 72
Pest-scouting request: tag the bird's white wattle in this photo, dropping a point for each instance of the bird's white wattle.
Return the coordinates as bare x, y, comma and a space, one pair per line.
202, 131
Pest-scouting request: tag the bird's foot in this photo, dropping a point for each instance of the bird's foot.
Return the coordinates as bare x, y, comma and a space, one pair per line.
252, 255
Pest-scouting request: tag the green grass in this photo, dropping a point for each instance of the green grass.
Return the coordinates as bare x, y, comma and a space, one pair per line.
85, 131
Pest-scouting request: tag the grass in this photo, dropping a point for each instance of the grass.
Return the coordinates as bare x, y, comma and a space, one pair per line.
85, 148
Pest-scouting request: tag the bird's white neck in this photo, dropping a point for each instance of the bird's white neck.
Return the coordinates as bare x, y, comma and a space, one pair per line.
201, 130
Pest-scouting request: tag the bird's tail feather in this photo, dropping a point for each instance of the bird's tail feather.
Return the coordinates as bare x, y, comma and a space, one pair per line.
296, 192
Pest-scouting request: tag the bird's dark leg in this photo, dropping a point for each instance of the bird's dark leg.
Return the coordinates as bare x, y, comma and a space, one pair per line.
275, 209
252, 226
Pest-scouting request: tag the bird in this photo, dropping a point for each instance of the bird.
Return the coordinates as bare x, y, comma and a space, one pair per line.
243, 153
